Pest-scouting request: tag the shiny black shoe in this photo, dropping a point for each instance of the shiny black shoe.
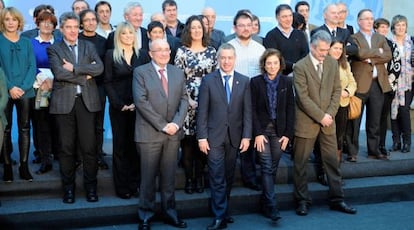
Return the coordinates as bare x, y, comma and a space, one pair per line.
343, 207
406, 148
217, 224
253, 186
322, 180
302, 209
175, 222
272, 213
44, 168
91, 196
199, 185
144, 225
383, 150
396, 147
229, 219
69, 197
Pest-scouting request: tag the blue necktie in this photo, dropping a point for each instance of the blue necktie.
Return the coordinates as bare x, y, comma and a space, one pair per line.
227, 87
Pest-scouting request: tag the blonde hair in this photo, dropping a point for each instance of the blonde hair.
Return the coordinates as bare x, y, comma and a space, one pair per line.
118, 51
15, 14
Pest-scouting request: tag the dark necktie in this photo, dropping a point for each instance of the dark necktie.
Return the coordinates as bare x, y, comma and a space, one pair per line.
73, 50
227, 88
164, 82
333, 33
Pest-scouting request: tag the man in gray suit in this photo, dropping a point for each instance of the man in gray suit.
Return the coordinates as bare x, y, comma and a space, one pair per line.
161, 100
318, 89
224, 128
74, 103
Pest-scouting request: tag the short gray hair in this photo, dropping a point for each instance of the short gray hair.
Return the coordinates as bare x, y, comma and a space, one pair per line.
320, 35
130, 6
68, 16
226, 46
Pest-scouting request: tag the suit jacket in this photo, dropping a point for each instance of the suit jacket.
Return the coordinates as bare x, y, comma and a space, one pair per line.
343, 35
216, 118
285, 106
65, 82
362, 70
144, 39
154, 108
180, 28
315, 97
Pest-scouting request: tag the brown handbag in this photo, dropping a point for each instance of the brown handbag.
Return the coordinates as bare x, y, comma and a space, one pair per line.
355, 107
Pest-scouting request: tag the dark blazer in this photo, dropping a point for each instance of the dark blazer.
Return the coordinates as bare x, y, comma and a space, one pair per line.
180, 28
343, 35
285, 106
64, 82
362, 70
315, 97
215, 117
144, 39
154, 108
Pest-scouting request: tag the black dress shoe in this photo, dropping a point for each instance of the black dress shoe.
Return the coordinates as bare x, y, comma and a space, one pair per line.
144, 225
69, 197
229, 219
124, 195
188, 188
175, 221
253, 186
302, 209
384, 151
272, 213
378, 157
217, 224
343, 207
322, 180
406, 148
396, 147
44, 168
91, 196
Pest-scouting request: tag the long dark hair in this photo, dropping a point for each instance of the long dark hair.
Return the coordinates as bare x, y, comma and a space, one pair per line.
186, 35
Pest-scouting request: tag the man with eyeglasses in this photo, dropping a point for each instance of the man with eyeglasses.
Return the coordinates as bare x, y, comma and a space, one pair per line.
160, 97
88, 24
248, 53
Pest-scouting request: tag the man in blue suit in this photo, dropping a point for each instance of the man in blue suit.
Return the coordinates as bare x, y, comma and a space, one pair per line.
224, 128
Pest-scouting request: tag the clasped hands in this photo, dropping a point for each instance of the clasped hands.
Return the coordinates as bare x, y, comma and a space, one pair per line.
327, 120
130, 107
170, 129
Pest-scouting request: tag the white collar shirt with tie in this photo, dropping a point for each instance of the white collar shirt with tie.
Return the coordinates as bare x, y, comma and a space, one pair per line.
158, 68
315, 63
222, 74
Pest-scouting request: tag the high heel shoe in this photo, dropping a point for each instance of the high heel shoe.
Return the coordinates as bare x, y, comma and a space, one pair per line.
8, 173
24, 172
189, 189
199, 185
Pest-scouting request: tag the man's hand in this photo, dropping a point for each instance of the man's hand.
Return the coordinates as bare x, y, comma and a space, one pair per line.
203, 146
259, 143
327, 120
67, 65
244, 145
170, 129
16, 92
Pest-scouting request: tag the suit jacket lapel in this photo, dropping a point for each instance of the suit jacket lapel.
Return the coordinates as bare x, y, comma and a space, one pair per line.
220, 86
235, 89
313, 70
67, 52
264, 92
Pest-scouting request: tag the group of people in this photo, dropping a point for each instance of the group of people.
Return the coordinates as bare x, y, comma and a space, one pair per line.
187, 86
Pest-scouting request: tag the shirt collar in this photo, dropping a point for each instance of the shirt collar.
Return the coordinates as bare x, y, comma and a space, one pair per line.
52, 40
222, 74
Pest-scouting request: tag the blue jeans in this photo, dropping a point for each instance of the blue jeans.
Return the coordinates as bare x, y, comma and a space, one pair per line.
269, 161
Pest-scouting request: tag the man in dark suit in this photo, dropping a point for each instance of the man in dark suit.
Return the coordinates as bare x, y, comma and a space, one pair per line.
318, 89
74, 102
161, 100
224, 128
372, 81
331, 17
343, 14
134, 14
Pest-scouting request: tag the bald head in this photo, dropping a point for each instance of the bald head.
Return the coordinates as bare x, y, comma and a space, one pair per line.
210, 14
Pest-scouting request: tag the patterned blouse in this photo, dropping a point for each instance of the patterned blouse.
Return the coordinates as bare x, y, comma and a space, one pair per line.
195, 65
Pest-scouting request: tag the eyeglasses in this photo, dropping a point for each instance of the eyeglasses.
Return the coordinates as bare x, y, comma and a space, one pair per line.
46, 24
161, 51
244, 26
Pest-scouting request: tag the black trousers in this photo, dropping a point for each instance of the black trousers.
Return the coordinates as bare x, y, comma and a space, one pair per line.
341, 120
77, 128
401, 126
23, 106
125, 160
385, 116
193, 159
